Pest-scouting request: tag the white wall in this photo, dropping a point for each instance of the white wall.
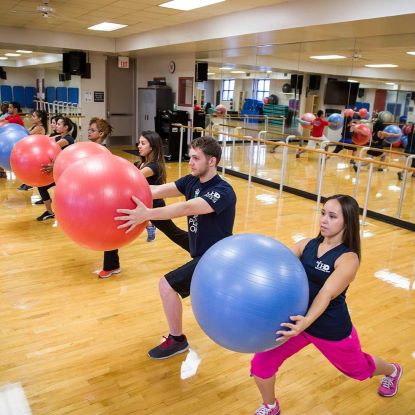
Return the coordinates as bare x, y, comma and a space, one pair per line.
158, 66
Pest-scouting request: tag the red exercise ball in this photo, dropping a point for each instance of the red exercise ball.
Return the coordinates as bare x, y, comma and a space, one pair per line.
397, 143
363, 112
3, 122
88, 194
74, 153
361, 134
306, 120
29, 155
348, 112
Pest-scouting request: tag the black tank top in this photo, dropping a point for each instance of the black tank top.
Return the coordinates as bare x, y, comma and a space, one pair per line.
335, 322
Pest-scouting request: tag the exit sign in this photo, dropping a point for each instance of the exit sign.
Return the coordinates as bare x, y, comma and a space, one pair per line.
123, 62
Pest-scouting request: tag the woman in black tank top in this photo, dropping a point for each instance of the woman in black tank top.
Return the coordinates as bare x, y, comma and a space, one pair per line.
331, 262
152, 165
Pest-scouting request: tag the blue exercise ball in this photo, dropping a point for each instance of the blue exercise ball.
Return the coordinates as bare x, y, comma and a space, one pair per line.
244, 287
336, 121
10, 134
396, 131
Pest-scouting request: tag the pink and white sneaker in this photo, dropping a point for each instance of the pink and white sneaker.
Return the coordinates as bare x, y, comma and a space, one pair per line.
389, 384
264, 409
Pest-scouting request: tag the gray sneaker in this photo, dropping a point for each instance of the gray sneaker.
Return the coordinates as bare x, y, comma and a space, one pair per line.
168, 348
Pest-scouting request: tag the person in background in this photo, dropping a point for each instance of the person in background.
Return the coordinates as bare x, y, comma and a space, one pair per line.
4, 111
14, 117
318, 126
196, 106
331, 261
67, 132
409, 149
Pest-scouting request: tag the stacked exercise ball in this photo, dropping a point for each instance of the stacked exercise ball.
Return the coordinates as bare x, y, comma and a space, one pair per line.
28, 157
10, 134
244, 287
89, 192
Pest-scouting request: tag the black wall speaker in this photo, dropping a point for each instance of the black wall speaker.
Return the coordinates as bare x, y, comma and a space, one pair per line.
314, 82
201, 71
413, 96
62, 77
3, 74
361, 92
74, 63
296, 82
87, 73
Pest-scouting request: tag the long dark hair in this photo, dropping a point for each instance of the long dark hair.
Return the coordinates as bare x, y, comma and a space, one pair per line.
156, 154
351, 233
72, 127
43, 116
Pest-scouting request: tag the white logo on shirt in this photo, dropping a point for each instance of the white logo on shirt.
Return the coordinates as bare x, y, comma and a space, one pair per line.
322, 267
213, 196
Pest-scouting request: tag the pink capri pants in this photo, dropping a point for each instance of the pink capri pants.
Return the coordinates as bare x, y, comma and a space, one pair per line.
346, 355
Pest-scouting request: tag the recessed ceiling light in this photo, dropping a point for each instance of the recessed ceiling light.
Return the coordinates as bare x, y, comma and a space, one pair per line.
12, 54
410, 53
323, 57
382, 65
107, 27
353, 81
3, 58
23, 51
226, 68
238, 72
188, 5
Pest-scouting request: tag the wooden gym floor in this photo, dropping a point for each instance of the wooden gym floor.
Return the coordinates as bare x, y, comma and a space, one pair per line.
77, 344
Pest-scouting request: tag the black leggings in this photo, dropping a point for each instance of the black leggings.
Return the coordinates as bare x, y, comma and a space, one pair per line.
43, 191
168, 227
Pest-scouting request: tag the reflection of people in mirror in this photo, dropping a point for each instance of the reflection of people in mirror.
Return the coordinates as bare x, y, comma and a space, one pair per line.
196, 106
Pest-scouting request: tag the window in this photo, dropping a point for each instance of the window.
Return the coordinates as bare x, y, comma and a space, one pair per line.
262, 88
228, 86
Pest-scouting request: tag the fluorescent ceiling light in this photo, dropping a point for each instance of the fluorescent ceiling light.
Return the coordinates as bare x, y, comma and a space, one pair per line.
107, 27
3, 58
12, 54
389, 83
188, 5
382, 65
226, 67
211, 73
324, 57
410, 53
238, 72
353, 81
24, 51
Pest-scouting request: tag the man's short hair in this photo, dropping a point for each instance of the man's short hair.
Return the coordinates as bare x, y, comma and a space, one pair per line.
209, 147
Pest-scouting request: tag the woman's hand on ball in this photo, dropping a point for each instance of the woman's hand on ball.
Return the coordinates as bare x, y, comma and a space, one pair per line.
133, 216
299, 325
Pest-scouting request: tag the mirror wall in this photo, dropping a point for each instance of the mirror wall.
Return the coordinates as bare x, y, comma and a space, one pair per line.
270, 87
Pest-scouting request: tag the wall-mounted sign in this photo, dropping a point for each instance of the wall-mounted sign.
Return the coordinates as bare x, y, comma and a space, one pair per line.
123, 62
98, 96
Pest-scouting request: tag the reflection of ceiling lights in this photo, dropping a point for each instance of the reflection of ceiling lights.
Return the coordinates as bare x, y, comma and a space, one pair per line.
226, 68
107, 27
23, 51
188, 5
353, 81
238, 72
3, 58
12, 54
211, 73
324, 57
389, 83
269, 71
382, 65
410, 53
395, 279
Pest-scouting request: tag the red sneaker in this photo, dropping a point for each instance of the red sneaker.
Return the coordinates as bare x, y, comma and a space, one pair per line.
107, 274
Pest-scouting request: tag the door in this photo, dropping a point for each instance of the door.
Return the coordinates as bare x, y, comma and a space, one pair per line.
121, 102
146, 108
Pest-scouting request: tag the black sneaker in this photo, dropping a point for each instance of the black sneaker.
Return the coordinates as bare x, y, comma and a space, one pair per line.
380, 169
46, 215
168, 348
24, 187
354, 167
39, 202
400, 175
3, 175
